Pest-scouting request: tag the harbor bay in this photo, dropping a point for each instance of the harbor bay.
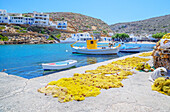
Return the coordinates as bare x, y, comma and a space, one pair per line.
25, 60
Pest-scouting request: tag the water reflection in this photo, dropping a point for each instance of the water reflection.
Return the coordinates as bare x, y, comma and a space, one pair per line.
91, 60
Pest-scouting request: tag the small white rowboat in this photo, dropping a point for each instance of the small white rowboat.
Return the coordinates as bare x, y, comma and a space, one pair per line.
59, 65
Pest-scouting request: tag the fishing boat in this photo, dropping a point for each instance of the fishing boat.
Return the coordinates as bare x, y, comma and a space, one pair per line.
93, 49
59, 65
130, 49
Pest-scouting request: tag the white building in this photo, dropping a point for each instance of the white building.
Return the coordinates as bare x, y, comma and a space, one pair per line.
59, 24
62, 25
80, 37
110, 34
134, 38
106, 38
4, 18
40, 19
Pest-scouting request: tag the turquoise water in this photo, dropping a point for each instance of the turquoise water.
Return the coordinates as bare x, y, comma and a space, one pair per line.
25, 60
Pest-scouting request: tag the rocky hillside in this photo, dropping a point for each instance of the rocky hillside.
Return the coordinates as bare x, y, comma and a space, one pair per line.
78, 22
148, 26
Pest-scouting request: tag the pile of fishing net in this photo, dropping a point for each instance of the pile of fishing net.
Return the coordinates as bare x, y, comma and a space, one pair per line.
144, 67
162, 85
91, 82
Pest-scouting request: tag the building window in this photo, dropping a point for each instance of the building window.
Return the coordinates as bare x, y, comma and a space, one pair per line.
45, 15
40, 15
36, 15
0, 17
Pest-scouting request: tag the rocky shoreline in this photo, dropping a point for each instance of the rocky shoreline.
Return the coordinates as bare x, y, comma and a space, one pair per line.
27, 42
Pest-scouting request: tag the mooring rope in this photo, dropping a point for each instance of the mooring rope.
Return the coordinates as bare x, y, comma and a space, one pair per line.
19, 67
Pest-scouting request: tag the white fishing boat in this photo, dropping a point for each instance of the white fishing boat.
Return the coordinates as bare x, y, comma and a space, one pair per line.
93, 49
99, 50
59, 65
130, 49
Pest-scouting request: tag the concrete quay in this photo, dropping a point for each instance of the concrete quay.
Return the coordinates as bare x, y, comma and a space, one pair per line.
20, 95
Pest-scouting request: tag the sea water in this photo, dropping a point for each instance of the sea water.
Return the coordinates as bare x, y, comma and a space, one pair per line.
25, 60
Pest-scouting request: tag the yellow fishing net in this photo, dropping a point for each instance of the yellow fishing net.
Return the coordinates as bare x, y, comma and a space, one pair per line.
162, 85
92, 81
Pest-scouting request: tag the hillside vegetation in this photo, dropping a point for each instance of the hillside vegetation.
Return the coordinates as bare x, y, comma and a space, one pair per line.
148, 26
79, 23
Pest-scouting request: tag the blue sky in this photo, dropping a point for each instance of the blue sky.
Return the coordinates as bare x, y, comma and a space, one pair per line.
110, 11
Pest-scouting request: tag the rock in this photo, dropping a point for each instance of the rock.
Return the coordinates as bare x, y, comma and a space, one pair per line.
2, 43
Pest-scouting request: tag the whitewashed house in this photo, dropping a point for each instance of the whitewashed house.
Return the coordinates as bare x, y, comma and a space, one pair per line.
133, 37
106, 38
80, 37
62, 25
59, 24
110, 34
4, 18
39, 19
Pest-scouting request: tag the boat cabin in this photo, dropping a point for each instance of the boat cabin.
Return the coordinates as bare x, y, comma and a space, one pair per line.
91, 44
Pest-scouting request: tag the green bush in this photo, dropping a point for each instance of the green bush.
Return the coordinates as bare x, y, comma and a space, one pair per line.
105, 32
24, 28
158, 35
3, 38
58, 36
96, 32
18, 31
23, 32
50, 38
80, 31
2, 27
121, 35
42, 32
17, 27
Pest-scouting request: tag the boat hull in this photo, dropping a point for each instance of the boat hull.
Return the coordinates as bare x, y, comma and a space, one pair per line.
95, 51
58, 66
